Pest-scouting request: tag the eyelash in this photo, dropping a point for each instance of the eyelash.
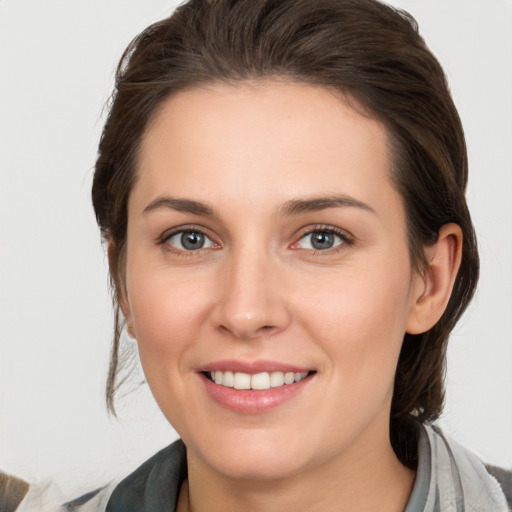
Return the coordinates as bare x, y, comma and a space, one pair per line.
346, 239
165, 237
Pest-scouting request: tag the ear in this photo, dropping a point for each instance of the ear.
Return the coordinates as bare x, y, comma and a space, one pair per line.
120, 290
433, 288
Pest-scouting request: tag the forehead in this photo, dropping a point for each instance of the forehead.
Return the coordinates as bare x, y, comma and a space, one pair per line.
262, 140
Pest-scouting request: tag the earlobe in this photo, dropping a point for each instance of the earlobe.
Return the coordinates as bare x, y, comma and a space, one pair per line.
432, 289
129, 329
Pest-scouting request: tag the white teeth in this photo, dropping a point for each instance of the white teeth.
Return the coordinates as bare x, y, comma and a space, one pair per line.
299, 376
242, 381
289, 377
276, 379
258, 381
228, 379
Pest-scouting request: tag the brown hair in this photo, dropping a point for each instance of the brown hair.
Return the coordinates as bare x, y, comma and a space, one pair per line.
366, 49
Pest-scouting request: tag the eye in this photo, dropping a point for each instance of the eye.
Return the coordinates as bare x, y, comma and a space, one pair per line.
189, 240
321, 240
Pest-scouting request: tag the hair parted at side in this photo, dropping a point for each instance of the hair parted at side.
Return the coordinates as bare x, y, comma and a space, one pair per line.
369, 51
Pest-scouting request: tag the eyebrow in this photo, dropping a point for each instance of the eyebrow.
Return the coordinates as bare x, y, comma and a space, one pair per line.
180, 205
292, 207
315, 204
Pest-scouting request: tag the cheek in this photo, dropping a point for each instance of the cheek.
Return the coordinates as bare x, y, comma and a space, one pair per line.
165, 312
359, 317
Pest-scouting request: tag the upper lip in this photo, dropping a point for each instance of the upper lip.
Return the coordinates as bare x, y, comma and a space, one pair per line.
252, 367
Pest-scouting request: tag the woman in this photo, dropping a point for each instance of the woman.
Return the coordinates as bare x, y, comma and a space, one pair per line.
281, 189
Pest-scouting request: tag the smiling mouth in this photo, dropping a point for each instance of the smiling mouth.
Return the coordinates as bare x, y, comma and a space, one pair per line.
258, 381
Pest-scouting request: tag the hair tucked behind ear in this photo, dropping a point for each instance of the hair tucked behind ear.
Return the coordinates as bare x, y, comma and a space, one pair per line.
365, 49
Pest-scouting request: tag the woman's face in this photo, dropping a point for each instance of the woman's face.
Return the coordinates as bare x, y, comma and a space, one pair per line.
267, 244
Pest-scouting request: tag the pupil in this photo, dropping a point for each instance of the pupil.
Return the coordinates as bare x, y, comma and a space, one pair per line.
322, 240
192, 240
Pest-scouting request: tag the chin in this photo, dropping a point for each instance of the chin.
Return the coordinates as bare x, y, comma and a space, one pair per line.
249, 455
258, 468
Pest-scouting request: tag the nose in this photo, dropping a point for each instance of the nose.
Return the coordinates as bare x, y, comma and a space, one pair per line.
252, 299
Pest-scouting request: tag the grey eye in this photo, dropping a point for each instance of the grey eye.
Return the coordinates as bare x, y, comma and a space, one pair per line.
189, 240
320, 240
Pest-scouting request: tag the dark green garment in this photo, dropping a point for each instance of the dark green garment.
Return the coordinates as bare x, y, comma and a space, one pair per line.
155, 485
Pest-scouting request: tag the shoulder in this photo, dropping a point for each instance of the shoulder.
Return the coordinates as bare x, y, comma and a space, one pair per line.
504, 478
152, 486
155, 485
458, 475
17, 495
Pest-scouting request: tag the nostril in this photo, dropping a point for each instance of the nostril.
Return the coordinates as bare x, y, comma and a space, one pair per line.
265, 329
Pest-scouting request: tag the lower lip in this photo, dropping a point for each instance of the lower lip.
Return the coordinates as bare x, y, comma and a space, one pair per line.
250, 401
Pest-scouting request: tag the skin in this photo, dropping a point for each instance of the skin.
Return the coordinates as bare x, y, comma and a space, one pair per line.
258, 290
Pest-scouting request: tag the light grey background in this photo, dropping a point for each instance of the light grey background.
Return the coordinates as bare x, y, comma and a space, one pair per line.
56, 71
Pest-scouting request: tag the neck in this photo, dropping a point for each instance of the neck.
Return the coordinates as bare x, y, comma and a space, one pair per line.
369, 478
